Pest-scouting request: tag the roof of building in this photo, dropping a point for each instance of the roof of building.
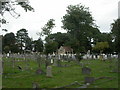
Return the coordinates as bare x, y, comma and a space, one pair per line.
67, 48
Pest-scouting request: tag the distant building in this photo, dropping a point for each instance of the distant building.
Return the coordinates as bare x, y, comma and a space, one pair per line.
119, 9
65, 50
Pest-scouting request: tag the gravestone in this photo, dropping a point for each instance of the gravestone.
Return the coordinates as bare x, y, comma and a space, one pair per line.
35, 85
55, 63
89, 80
40, 71
58, 63
13, 62
86, 70
82, 64
27, 67
49, 71
52, 61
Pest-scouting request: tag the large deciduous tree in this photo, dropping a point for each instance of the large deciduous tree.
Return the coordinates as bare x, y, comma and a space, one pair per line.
79, 22
116, 32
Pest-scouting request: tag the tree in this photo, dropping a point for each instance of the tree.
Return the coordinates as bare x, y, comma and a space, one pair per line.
116, 34
28, 44
60, 38
38, 45
79, 23
9, 43
51, 47
8, 6
22, 38
101, 46
46, 30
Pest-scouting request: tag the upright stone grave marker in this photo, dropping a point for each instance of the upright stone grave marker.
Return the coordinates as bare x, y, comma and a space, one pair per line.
52, 61
55, 62
89, 80
86, 70
35, 86
40, 71
49, 71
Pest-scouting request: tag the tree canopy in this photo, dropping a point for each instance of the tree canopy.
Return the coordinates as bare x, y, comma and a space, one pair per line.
79, 23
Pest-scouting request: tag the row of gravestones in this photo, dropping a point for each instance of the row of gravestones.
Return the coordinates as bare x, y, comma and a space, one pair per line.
103, 56
33, 56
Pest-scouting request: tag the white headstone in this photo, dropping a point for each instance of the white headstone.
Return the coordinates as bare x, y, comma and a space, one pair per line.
51, 60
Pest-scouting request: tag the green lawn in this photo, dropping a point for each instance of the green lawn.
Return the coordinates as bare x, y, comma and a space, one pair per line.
14, 78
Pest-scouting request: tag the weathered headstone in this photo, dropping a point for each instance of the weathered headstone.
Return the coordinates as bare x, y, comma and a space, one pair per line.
58, 63
86, 70
13, 62
82, 64
55, 63
39, 71
49, 71
35, 85
89, 79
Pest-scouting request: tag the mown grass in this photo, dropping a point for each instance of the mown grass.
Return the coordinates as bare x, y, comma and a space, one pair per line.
15, 78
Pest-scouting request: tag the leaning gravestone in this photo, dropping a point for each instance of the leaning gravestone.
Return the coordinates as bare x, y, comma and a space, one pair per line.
49, 71
89, 80
86, 70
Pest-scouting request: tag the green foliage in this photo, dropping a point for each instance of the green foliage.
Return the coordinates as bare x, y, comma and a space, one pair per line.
46, 30
23, 39
38, 45
100, 46
26, 6
77, 17
79, 23
51, 47
6, 49
9, 41
60, 38
116, 34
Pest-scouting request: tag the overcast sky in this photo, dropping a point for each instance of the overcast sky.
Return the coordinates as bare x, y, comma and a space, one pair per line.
103, 12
